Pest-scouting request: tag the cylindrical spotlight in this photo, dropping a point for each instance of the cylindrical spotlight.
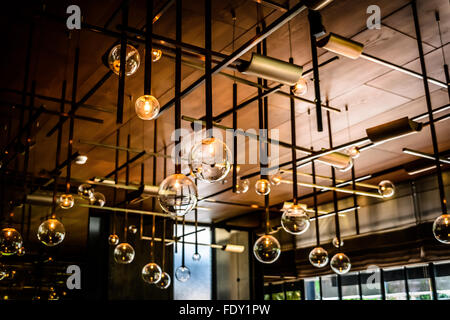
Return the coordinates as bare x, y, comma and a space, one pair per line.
393, 129
340, 45
339, 160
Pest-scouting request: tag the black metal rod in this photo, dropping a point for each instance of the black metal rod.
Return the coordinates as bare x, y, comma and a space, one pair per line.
382, 286
126, 164
116, 177
360, 286
316, 211
208, 68
405, 277
432, 274
122, 75
315, 62
339, 286
355, 201
294, 143
333, 178
429, 108
235, 146
148, 49
155, 150
179, 18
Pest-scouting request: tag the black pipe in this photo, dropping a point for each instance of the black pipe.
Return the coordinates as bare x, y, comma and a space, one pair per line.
293, 143
382, 287
316, 211
429, 108
179, 17
122, 75
432, 274
311, 17
235, 147
127, 163
405, 277
148, 49
155, 150
355, 200
208, 68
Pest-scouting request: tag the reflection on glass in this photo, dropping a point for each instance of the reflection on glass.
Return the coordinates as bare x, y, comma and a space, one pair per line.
442, 272
419, 283
329, 288
394, 284
350, 287
312, 289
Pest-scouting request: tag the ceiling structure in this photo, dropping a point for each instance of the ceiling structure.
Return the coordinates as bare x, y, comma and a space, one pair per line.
373, 94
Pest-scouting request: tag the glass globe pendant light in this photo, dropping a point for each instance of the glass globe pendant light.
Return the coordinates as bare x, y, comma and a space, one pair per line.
262, 187
209, 160
51, 232
340, 263
275, 179
441, 228
300, 88
318, 257
124, 253
147, 107
132, 60
177, 194
267, 249
183, 273
386, 188
242, 185
156, 54
337, 243
86, 191
10, 241
113, 239
165, 279
196, 256
66, 201
295, 220
97, 199
164, 282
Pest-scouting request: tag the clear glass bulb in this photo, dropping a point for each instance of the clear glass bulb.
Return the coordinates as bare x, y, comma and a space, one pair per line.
10, 241
51, 232
86, 191
97, 199
340, 263
133, 229
354, 152
113, 239
164, 282
209, 160
262, 187
196, 256
267, 249
132, 60
21, 252
183, 274
151, 273
124, 253
318, 257
66, 201
441, 228
295, 220
335, 242
177, 194
275, 179
242, 185
156, 54
386, 188
300, 88
147, 107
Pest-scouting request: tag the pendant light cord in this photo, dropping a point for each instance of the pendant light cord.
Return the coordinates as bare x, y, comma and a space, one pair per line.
313, 171
182, 244
163, 265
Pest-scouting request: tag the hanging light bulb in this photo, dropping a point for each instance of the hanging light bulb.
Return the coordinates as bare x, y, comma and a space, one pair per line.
113, 239
262, 187
242, 185
295, 220
354, 152
81, 159
66, 201
86, 191
156, 54
147, 107
196, 256
318, 257
164, 282
441, 228
97, 199
340, 263
124, 253
183, 274
21, 251
335, 242
132, 60
275, 179
209, 160
10, 241
300, 88
133, 229
267, 249
386, 188
151, 273
177, 194
51, 232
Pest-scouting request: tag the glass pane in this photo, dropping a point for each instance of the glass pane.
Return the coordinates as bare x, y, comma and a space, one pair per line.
442, 271
350, 287
329, 288
312, 289
419, 283
394, 284
293, 295
278, 296
370, 284
198, 287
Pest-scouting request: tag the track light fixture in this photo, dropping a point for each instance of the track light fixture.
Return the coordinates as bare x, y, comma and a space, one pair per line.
341, 161
341, 45
272, 69
392, 130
